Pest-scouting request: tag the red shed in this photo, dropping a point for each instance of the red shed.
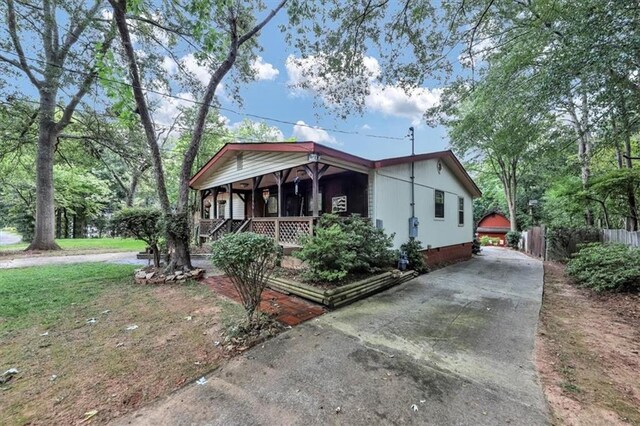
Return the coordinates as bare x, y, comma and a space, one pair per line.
494, 225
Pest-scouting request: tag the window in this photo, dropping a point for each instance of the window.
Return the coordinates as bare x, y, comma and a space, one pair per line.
439, 211
460, 211
239, 161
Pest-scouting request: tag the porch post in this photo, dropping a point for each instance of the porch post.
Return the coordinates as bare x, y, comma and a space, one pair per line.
281, 177
315, 189
256, 184
230, 191
278, 176
215, 203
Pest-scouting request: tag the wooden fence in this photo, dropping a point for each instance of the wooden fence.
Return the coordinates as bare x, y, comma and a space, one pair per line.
621, 236
534, 242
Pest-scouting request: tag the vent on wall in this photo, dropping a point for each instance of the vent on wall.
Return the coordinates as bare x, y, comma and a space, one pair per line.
239, 161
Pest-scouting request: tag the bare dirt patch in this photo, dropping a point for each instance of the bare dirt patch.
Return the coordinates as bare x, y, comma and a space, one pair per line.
588, 353
79, 367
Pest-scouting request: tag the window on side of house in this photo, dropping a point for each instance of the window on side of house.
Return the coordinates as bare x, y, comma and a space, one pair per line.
460, 211
239, 161
439, 204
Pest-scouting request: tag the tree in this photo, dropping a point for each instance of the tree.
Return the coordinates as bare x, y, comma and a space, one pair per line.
142, 223
503, 134
232, 19
83, 44
248, 259
225, 36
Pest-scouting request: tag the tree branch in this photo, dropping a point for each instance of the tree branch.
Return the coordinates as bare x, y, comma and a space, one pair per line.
243, 39
74, 33
85, 85
13, 33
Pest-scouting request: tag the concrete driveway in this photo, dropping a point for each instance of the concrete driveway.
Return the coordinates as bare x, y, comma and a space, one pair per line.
452, 347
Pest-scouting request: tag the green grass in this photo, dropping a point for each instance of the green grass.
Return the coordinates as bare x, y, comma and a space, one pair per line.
119, 244
45, 292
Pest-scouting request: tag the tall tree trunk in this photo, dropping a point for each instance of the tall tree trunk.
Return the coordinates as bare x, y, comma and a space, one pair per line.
44, 235
59, 223
177, 223
632, 203
133, 187
581, 126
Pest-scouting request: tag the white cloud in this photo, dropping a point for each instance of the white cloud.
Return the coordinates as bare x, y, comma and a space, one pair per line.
395, 101
264, 70
196, 69
389, 100
169, 108
304, 132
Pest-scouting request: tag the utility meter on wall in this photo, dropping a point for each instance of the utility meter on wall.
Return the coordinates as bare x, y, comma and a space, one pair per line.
413, 227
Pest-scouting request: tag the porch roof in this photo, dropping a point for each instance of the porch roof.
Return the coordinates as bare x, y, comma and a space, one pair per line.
309, 147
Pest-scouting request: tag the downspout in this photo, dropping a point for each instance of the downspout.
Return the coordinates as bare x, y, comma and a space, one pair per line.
413, 221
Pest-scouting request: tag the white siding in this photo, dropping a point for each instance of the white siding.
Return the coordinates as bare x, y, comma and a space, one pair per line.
392, 204
238, 206
253, 164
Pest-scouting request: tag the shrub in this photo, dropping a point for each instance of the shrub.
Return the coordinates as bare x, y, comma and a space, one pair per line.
370, 244
412, 249
344, 245
248, 259
606, 267
513, 239
485, 240
328, 254
143, 224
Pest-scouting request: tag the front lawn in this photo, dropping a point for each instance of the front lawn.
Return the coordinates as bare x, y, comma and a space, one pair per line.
70, 364
86, 244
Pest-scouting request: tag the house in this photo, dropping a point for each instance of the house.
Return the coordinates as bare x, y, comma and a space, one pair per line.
280, 189
494, 225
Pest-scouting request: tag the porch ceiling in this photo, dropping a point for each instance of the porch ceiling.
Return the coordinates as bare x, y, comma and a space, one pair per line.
270, 180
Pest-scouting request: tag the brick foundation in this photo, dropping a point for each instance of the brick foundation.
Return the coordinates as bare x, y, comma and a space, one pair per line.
442, 256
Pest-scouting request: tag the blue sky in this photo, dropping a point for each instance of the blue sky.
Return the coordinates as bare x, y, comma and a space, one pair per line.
390, 112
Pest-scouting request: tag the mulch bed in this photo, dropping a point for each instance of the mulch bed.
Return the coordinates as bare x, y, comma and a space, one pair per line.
287, 309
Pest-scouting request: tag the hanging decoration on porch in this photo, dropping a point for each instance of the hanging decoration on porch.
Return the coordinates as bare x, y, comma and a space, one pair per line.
265, 196
339, 204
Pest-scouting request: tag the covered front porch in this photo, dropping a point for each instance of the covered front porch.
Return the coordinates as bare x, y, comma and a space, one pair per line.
282, 204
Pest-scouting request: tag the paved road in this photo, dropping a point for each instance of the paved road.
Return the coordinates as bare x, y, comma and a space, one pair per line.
456, 343
119, 257
7, 238
21, 262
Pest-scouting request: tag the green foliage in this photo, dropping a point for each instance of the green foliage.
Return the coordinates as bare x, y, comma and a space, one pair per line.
486, 240
248, 259
513, 239
344, 245
564, 242
328, 254
142, 223
413, 250
606, 267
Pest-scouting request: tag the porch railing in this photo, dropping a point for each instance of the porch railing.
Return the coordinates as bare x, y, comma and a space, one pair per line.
285, 230
208, 225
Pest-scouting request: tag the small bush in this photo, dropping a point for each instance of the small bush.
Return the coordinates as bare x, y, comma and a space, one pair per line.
412, 249
248, 259
143, 224
328, 254
486, 240
513, 239
344, 245
606, 267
